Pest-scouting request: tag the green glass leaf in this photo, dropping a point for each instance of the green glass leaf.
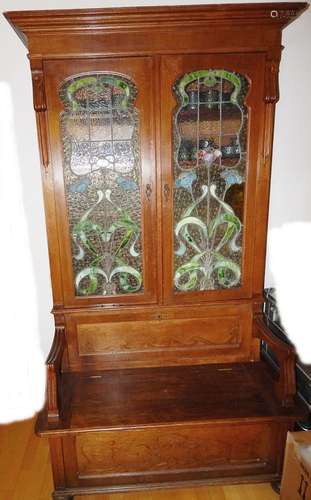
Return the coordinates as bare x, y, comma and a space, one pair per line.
209, 80
182, 227
90, 273
192, 268
222, 265
124, 272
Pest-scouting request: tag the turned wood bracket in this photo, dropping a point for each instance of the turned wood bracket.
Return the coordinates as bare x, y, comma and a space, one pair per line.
285, 386
272, 93
39, 102
54, 365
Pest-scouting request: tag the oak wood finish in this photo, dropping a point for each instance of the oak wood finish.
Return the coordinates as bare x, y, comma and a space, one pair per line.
158, 389
117, 339
166, 454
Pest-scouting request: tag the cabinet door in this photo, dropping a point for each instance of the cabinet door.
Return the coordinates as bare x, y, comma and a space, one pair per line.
101, 137
212, 111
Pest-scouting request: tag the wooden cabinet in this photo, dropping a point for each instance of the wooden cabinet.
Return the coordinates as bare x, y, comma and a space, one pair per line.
155, 128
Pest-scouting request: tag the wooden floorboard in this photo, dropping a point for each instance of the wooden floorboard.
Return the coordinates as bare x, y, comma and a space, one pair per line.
25, 474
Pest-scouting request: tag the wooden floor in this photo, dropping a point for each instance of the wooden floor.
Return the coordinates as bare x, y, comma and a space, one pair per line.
25, 474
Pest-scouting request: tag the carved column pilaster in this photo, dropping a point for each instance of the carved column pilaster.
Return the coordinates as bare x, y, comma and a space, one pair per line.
270, 98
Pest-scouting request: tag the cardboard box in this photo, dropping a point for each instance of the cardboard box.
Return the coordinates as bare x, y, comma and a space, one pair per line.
296, 478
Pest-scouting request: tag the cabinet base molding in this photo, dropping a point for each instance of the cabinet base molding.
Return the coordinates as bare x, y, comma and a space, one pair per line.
72, 492
62, 496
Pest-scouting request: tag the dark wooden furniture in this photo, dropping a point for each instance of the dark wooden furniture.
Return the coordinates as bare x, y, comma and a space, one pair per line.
155, 128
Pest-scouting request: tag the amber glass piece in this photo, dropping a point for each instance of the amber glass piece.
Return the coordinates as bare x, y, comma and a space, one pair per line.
210, 154
102, 171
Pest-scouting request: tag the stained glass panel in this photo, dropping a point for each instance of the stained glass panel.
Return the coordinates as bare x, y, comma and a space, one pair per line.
100, 134
210, 154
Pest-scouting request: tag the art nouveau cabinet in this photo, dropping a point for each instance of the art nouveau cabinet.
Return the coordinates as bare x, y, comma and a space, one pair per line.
155, 129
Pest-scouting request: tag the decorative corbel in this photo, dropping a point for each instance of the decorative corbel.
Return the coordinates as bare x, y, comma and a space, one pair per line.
272, 78
271, 97
39, 100
40, 107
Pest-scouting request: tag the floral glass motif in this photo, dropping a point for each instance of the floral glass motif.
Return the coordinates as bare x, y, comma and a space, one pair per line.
100, 133
210, 142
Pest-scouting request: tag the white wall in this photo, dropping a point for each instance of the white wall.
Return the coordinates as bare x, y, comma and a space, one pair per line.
291, 181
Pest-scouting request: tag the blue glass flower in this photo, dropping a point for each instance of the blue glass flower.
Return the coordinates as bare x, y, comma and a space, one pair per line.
185, 180
231, 177
126, 184
79, 186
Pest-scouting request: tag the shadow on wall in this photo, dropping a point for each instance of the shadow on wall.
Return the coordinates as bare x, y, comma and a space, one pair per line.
22, 370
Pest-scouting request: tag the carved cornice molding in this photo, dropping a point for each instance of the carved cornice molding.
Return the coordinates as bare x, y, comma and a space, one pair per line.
26, 23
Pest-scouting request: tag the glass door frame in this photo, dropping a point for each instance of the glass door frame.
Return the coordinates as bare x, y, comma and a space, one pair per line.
172, 69
138, 69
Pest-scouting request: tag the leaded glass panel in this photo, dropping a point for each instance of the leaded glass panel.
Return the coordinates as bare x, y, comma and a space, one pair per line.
210, 154
102, 172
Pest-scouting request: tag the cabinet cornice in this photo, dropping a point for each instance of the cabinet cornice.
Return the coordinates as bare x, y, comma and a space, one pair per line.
28, 23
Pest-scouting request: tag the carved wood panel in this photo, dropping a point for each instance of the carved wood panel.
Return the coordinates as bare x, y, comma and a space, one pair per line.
175, 449
174, 335
160, 336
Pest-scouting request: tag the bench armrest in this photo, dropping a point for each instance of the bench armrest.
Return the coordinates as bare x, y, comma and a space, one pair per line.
285, 385
53, 367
